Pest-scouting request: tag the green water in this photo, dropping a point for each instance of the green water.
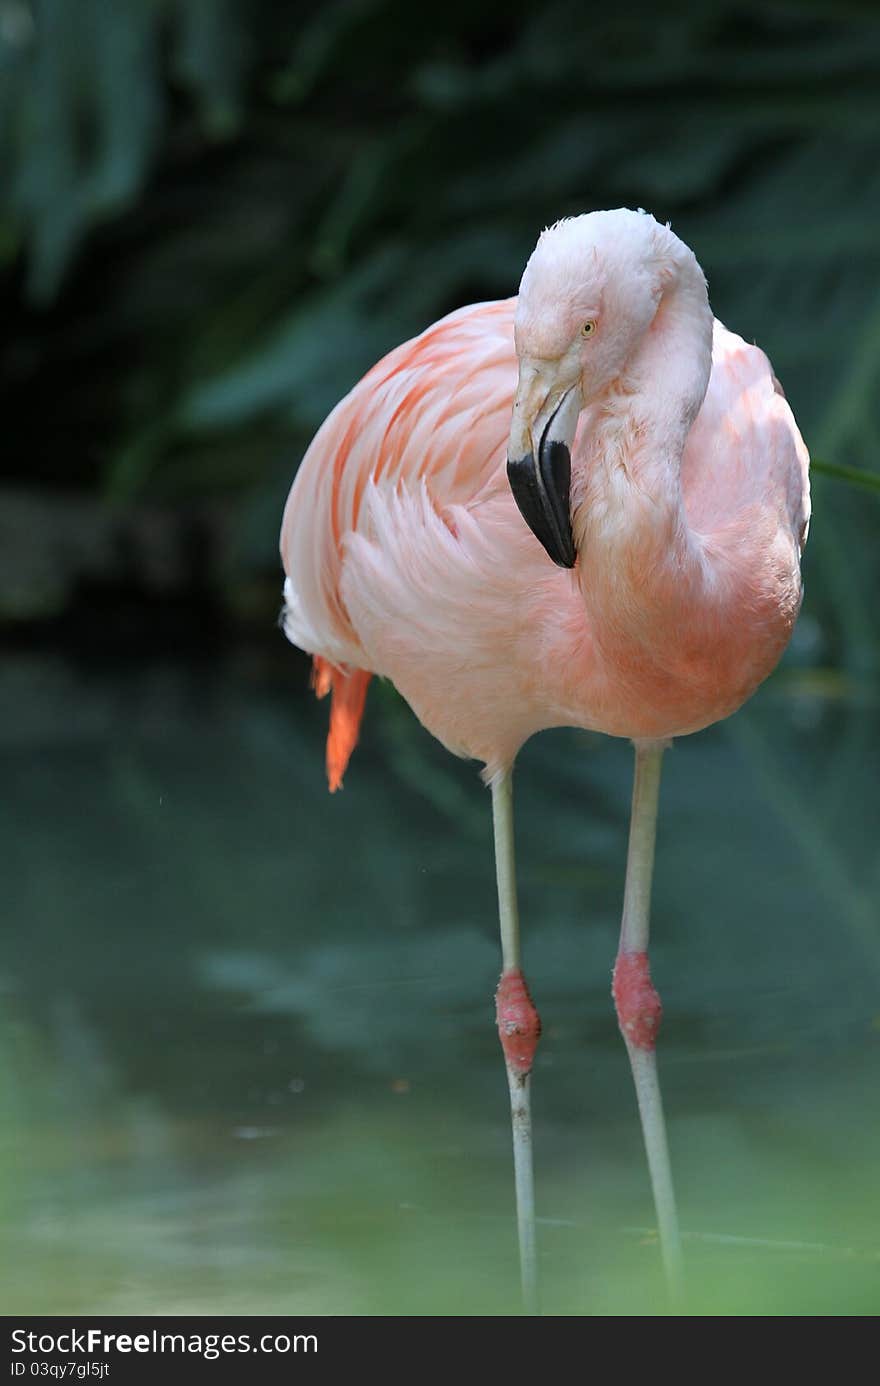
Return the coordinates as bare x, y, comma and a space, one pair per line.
248, 1060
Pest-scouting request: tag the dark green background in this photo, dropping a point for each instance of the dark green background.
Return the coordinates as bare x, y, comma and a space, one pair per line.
247, 1052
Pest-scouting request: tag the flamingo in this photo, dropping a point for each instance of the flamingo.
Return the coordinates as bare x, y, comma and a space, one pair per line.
585, 507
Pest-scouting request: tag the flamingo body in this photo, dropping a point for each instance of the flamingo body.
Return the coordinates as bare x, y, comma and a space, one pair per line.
407, 557
581, 507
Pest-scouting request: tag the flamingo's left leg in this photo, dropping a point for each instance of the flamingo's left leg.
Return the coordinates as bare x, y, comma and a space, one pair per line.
638, 1005
519, 1028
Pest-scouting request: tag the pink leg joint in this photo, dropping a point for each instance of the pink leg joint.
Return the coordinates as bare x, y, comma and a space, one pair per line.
639, 1011
519, 1025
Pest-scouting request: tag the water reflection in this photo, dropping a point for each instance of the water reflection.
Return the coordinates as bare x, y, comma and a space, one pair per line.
248, 1056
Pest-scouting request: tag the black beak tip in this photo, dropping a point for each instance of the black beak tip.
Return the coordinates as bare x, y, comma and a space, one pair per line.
566, 557
562, 550
542, 498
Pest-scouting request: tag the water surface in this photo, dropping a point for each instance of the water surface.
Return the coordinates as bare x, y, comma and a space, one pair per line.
248, 1058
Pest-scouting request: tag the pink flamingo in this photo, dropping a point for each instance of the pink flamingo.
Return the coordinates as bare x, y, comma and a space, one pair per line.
654, 457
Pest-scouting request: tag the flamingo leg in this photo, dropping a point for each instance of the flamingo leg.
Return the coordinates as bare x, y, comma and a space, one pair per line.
519, 1027
638, 1005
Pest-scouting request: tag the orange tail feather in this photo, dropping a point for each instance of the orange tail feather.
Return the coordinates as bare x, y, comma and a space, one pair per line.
322, 676
346, 711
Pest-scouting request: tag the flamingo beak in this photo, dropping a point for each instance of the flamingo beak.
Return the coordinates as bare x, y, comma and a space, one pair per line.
543, 428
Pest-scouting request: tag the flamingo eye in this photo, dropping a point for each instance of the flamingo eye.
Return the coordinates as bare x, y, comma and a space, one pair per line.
588, 329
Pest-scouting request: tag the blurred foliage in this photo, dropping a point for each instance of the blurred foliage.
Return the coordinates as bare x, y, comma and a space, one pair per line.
217, 213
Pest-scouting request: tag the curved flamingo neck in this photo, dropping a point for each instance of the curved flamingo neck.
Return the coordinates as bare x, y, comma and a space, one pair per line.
668, 376
640, 426
629, 520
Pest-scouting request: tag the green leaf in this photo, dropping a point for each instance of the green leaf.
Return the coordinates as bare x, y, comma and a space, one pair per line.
856, 476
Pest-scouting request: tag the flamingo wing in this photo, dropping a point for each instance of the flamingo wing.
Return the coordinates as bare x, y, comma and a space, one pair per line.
432, 416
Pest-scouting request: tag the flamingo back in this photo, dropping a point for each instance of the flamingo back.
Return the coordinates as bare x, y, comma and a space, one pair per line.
433, 413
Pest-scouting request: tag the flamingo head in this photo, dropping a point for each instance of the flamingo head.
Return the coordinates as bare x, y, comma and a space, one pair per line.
588, 296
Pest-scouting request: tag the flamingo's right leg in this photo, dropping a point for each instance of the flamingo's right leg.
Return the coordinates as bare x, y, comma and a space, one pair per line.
638, 1006
519, 1028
